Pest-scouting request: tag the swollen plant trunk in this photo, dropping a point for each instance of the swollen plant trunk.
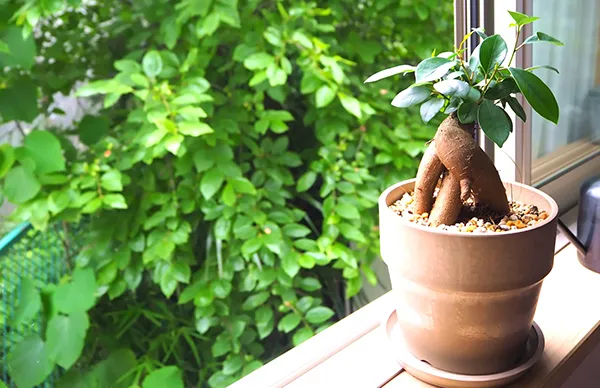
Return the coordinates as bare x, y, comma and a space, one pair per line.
466, 301
454, 149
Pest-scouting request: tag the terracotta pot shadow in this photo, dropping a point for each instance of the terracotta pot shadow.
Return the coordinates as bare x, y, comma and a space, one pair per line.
466, 301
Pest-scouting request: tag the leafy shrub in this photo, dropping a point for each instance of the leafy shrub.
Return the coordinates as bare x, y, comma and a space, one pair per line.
230, 180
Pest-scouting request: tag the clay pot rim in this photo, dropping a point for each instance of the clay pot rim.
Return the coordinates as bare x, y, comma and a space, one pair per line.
552, 214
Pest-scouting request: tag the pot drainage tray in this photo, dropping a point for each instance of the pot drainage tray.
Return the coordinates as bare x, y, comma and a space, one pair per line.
427, 373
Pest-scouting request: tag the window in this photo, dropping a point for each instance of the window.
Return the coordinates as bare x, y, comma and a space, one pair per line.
555, 158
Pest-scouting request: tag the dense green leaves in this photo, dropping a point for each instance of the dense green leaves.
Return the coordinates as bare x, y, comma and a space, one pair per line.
537, 93
227, 181
494, 121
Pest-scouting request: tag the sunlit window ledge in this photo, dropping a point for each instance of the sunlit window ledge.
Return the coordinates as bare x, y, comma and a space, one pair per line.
354, 352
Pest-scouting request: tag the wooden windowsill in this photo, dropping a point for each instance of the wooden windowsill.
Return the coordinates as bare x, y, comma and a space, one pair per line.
355, 353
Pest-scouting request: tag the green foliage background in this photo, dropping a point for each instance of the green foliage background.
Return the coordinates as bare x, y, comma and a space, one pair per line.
229, 183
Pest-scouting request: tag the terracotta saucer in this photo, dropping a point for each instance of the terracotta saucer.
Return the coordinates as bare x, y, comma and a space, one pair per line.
427, 373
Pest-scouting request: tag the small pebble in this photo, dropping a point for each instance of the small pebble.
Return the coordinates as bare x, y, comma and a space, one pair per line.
474, 218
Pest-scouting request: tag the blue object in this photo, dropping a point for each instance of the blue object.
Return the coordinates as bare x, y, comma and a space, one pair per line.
588, 223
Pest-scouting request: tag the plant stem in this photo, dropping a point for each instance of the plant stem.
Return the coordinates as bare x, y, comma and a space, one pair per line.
516, 47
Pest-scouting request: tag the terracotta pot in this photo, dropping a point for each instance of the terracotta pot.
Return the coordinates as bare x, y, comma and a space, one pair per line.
466, 301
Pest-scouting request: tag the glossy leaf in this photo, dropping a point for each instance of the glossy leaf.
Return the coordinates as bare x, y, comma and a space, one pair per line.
152, 63
452, 87
494, 122
516, 106
521, 19
324, 96
434, 68
168, 376
537, 93
554, 69
492, 53
467, 112
430, 108
402, 69
319, 314
411, 96
541, 37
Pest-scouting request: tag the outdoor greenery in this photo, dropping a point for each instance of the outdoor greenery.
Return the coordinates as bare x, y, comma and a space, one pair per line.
228, 184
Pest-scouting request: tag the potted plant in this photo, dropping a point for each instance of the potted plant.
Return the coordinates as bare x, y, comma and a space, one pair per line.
467, 252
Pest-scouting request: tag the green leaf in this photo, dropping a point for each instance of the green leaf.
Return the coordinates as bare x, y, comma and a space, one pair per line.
310, 284
256, 300
152, 63
306, 181
115, 201
350, 104
29, 303
22, 51
411, 96
20, 185
232, 364
537, 93
430, 108
554, 69
7, 158
66, 337
19, 102
351, 232
192, 112
492, 53
258, 61
103, 87
79, 294
112, 181
467, 112
324, 96
481, 32
195, 129
92, 129
541, 37
521, 19
295, 230
289, 264
44, 149
347, 211
168, 376
402, 69
29, 362
289, 322
431, 69
501, 90
302, 39
243, 185
302, 335
221, 288
452, 87
211, 182
515, 105
494, 121
319, 314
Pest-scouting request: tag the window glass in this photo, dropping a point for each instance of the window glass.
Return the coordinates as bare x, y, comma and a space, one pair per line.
577, 87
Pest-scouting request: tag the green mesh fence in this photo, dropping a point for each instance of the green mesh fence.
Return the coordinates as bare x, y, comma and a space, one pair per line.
40, 256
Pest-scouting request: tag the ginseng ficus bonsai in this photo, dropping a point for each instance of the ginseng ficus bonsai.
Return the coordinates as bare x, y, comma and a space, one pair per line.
470, 92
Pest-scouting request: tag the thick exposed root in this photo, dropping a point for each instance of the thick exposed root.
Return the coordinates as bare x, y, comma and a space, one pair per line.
448, 203
428, 175
470, 172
